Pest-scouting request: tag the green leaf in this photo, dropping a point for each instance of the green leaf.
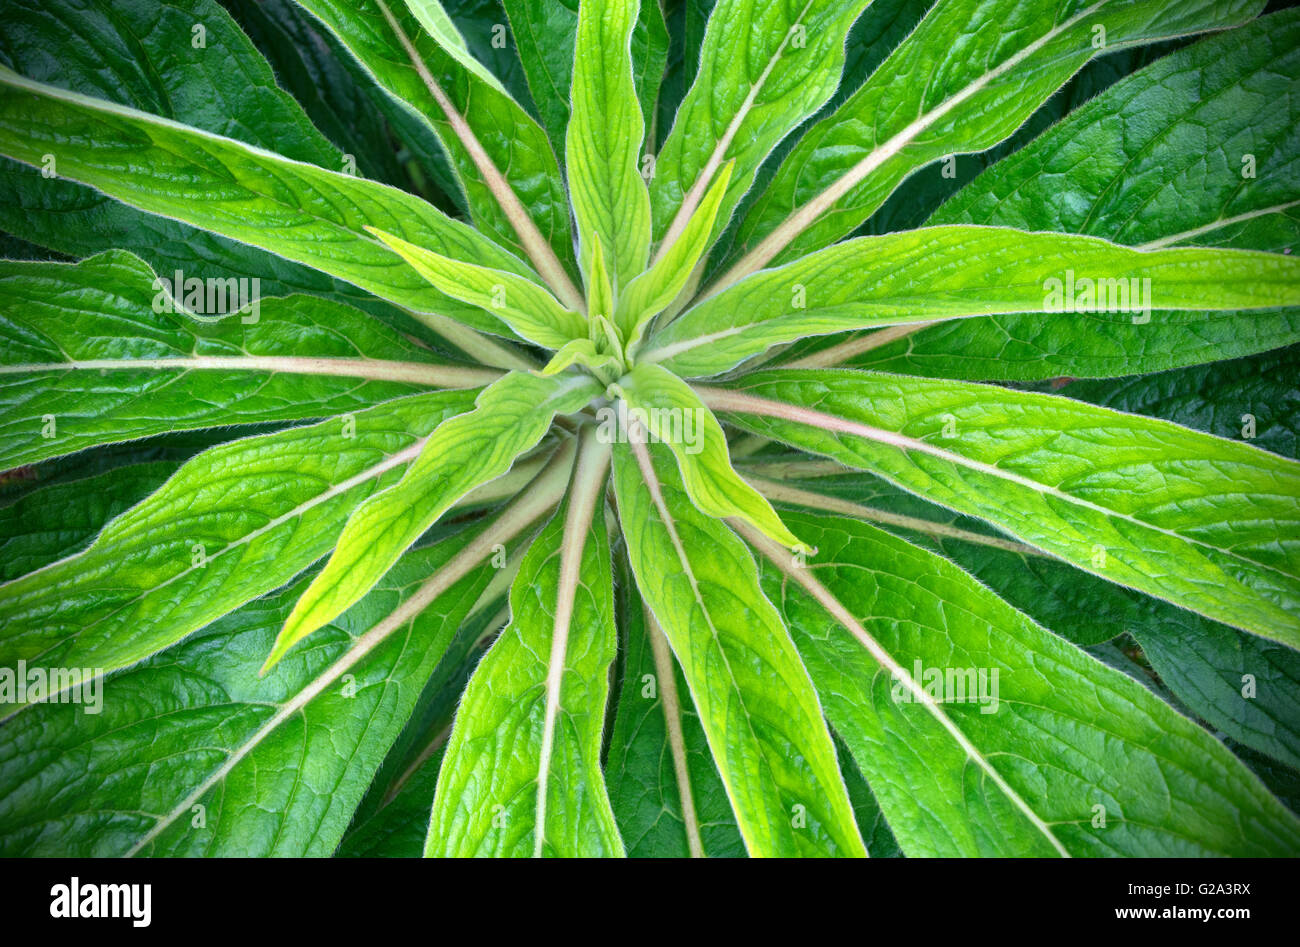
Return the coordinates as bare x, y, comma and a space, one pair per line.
143, 56
663, 785
522, 775
763, 69
652, 291
58, 520
664, 405
603, 141
755, 701
1012, 765
529, 309
956, 272
102, 351
299, 211
511, 140
277, 765
1189, 518
1142, 144
546, 32
234, 523
510, 417
986, 67
1203, 662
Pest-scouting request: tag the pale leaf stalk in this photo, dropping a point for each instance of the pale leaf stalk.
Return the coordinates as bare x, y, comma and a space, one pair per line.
539, 251
588, 487
783, 493
418, 373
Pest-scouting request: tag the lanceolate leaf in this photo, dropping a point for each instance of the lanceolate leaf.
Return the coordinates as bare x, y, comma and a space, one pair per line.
753, 695
512, 141
529, 309
298, 211
510, 417
603, 141
232, 524
522, 776
665, 405
144, 55
1044, 750
966, 78
210, 734
545, 32
1203, 142
652, 291
102, 351
1177, 514
763, 69
954, 272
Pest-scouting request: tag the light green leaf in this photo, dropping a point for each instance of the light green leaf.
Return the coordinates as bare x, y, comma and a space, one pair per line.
1012, 764
1199, 521
1148, 143
102, 351
521, 775
529, 309
957, 272
969, 75
510, 417
511, 140
652, 291
755, 702
603, 141
584, 352
232, 524
277, 764
664, 405
763, 69
298, 211
545, 33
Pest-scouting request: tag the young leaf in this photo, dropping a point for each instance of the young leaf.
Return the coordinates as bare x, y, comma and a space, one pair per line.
1073, 757
521, 775
753, 695
298, 211
529, 309
232, 524
652, 291
546, 31
603, 141
101, 351
510, 417
665, 406
1177, 514
1011, 57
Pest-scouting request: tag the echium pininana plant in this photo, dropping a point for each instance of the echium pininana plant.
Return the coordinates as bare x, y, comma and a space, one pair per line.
592, 430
